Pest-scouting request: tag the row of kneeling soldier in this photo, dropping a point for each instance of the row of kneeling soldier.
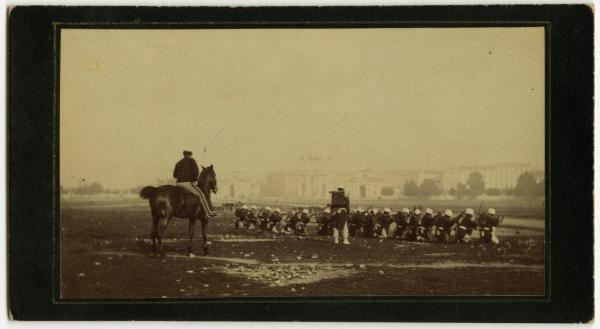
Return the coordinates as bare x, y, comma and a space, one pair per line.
272, 219
411, 225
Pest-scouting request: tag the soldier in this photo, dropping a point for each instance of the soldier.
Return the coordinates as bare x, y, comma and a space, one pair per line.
355, 225
340, 223
464, 226
427, 221
487, 223
252, 218
443, 225
421, 230
263, 218
414, 221
293, 220
372, 224
401, 219
275, 221
241, 216
323, 221
385, 221
304, 218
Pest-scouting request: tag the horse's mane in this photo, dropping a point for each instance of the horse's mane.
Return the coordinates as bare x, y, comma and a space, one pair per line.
205, 171
202, 179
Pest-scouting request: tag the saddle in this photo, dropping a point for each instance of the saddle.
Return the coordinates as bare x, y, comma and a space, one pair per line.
190, 200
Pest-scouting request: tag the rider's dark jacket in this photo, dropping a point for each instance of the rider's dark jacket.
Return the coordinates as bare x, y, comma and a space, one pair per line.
186, 170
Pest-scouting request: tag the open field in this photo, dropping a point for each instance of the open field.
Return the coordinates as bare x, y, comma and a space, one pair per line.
106, 253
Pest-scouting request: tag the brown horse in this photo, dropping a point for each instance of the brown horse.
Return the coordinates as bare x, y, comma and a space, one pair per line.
169, 201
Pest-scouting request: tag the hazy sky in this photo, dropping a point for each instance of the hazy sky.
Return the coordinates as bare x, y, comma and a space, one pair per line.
258, 99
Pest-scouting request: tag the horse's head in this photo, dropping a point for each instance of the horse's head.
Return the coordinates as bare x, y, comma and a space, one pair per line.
209, 177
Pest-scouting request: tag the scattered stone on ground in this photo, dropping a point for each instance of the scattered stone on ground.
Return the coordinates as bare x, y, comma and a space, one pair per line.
289, 274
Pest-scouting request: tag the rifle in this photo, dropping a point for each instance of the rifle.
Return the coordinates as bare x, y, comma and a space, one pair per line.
479, 210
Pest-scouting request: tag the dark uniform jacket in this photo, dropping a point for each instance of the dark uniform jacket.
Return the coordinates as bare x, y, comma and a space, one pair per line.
252, 217
401, 219
241, 213
487, 220
427, 220
466, 221
444, 222
186, 170
304, 218
275, 218
385, 220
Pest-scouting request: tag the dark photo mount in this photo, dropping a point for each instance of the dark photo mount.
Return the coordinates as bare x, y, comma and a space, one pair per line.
33, 174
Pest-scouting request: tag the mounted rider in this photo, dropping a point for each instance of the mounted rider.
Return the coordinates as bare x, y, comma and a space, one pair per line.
186, 172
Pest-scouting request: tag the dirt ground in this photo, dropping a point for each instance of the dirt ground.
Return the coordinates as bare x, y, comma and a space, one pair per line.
106, 253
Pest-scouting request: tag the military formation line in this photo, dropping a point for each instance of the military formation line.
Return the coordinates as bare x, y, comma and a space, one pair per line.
416, 224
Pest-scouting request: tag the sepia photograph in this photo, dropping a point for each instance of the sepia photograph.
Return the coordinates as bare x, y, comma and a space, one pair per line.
270, 162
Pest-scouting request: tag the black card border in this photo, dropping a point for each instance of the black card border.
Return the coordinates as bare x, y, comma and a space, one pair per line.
45, 23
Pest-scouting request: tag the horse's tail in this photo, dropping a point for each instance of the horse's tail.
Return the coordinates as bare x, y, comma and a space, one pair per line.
148, 192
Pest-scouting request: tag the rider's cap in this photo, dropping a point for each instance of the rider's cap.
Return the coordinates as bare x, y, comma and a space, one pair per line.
448, 212
491, 211
305, 211
405, 210
388, 210
244, 207
470, 211
417, 211
429, 211
327, 210
253, 207
277, 210
268, 208
187, 153
374, 210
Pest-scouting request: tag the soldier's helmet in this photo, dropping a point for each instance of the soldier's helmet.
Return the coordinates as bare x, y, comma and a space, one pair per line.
327, 210
244, 207
429, 211
305, 211
374, 211
387, 210
268, 208
417, 211
405, 210
253, 207
448, 212
470, 211
491, 211
360, 209
277, 210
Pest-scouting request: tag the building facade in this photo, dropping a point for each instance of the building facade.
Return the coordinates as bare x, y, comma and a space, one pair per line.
503, 176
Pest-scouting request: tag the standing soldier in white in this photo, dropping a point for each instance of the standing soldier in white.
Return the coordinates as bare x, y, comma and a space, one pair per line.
340, 223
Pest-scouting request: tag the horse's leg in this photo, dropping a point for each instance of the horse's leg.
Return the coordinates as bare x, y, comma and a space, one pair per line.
204, 237
191, 235
154, 233
162, 226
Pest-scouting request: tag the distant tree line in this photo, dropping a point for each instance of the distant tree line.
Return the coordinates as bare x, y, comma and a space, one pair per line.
97, 188
526, 187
